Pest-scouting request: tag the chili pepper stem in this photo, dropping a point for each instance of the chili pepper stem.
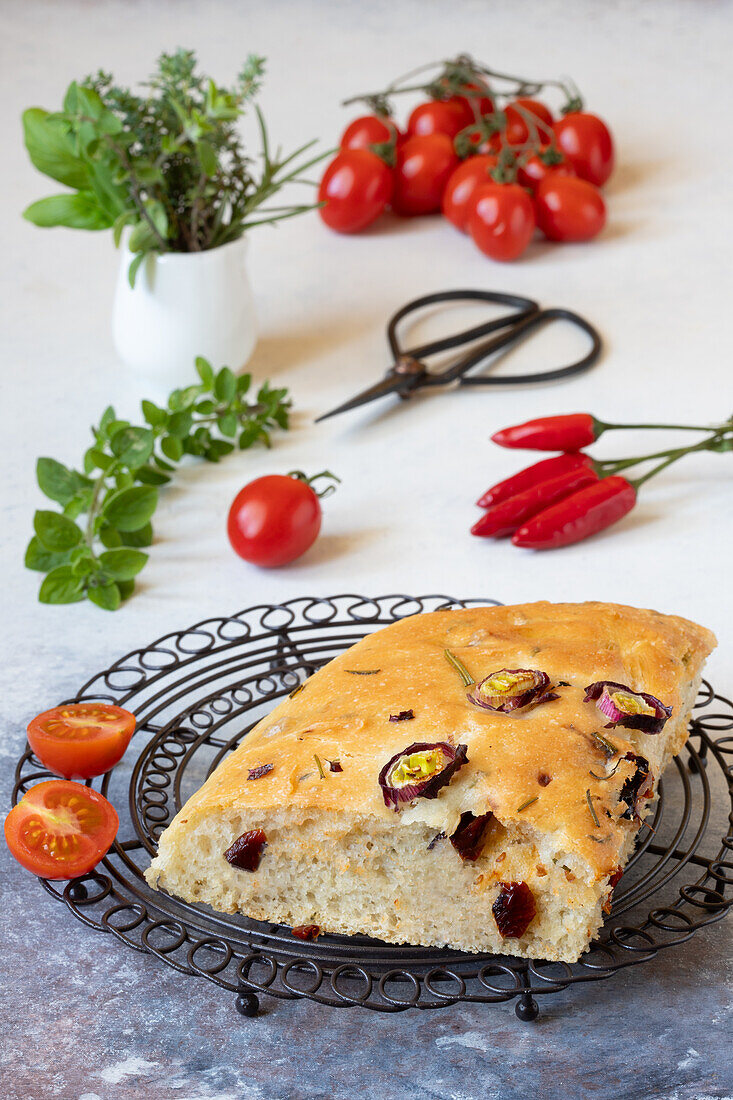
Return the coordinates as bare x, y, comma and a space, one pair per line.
613, 466
603, 427
673, 457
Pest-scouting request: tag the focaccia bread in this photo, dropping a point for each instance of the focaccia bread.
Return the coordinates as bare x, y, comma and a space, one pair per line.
391, 796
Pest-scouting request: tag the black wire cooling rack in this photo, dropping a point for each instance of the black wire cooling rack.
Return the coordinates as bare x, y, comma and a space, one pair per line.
197, 692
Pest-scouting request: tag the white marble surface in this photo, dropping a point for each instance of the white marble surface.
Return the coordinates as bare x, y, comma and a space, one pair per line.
657, 284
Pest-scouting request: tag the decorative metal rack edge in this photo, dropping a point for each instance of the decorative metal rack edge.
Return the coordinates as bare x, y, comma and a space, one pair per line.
250, 958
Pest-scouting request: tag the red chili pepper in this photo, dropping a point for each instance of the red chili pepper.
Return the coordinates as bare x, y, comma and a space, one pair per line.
504, 518
533, 475
552, 433
577, 517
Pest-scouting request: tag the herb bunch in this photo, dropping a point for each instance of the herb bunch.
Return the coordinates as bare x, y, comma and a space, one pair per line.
168, 165
117, 492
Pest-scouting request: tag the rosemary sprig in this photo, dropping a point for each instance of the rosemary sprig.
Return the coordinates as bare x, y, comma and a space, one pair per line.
529, 802
607, 746
319, 765
362, 671
591, 807
610, 774
460, 668
117, 491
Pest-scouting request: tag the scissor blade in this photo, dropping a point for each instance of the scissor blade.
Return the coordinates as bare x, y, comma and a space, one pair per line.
388, 385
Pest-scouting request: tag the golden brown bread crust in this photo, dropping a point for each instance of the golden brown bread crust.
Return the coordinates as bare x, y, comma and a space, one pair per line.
341, 715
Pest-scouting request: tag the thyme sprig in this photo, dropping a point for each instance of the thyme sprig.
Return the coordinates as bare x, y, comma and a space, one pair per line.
117, 489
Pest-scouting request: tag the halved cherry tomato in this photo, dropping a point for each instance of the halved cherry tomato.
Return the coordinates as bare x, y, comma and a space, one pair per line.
81, 740
587, 143
274, 520
356, 187
368, 130
502, 220
60, 830
459, 191
424, 165
517, 128
534, 170
440, 116
569, 209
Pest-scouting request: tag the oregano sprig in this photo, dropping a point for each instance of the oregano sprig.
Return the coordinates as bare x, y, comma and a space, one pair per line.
91, 548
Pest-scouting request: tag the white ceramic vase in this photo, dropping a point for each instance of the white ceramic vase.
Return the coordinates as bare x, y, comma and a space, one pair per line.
184, 304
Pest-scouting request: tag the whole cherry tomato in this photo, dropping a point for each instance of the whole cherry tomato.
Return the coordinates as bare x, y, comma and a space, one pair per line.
368, 130
536, 168
424, 165
356, 187
478, 100
459, 191
81, 740
440, 116
569, 209
517, 129
587, 143
275, 519
502, 220
60, 830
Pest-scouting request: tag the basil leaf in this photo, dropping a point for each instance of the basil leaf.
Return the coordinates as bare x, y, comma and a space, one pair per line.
126, 589
61, 586
132, 446
106, 596
123, 564
78, 210
56, 532
130, 509
244, 381
39, 558
51, 149
57, 481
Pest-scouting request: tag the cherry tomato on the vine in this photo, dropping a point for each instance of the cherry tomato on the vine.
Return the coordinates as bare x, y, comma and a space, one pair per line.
587, 143
356, 187
81, 740
60, 830
424, 165
518, 128
502, 220
440, 116
478, 100
275, 519
535, 169
368, 130
460, 189
569, 209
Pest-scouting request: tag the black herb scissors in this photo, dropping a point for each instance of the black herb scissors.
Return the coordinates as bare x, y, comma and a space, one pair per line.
408, 373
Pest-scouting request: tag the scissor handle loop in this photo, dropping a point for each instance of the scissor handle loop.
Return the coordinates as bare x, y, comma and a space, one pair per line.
523, 329
523, 307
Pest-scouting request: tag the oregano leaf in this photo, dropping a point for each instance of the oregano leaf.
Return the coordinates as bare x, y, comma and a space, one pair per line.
61, 586
56, 532
42, 560
123, 564
106, 596
130, 509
